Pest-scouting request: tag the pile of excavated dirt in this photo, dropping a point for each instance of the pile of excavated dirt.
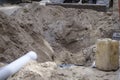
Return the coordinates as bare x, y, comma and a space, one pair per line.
69, 31
50, 71
72, 33
15, 41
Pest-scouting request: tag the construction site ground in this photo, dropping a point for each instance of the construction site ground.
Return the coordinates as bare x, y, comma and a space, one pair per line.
59, 36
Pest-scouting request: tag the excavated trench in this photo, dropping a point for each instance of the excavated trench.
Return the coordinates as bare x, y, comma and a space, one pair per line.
70, 32
65, 36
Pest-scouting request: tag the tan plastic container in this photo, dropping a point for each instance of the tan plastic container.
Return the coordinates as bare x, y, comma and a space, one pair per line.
107, 54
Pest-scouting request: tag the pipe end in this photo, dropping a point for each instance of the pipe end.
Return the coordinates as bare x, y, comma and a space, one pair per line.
32, 54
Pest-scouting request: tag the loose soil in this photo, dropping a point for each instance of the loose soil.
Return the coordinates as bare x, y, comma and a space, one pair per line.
62, 35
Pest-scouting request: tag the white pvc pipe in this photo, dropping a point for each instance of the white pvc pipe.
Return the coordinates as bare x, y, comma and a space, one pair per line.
15, 66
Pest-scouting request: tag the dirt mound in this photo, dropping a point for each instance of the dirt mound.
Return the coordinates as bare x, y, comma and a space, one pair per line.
50, 71
72, 34
35, 71
69, 31
15, 41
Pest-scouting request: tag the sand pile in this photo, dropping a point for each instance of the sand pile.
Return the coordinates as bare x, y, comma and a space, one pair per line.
35, 71
50, 71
